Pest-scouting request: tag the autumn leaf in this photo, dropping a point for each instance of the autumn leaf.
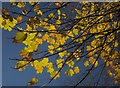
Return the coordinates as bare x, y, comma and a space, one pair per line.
58, 4
86, 63
20, 37
19, 18
76, 69
64, 34
69, 72
33, 82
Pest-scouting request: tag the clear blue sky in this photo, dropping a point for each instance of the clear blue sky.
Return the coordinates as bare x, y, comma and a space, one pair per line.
12, 77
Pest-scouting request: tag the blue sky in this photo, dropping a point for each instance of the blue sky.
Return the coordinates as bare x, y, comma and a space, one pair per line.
12, 77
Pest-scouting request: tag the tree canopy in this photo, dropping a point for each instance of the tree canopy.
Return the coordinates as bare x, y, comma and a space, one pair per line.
73, 34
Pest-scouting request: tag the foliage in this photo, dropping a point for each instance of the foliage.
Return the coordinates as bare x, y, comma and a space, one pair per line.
74, 33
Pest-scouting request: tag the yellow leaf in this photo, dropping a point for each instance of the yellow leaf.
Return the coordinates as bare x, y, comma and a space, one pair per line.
88, 48
114, 24
61, 54
75, 31
51, 15
96, 63
45, 61
58, 4
33, 46
70, 34
28, 27
51, 49
36, 8
51, 41
70, 63
50, 70
116, 43
39, 69
58, 22
86, 63
45, 37
38, 41
59, 12
39, 12
31, 2
76, 69
64, 15
39, 35
59, 63
20, 65
21, 4
110, 73
55, 74
91, 60
78, 11
69, 72
49, 65
24, 53
34, 80
111, 15
90, 54
52, 28
1, 21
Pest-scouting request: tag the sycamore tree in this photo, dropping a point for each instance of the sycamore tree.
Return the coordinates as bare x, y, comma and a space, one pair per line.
73, 33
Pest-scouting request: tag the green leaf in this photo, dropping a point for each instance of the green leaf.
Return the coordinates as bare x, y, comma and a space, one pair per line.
20, 36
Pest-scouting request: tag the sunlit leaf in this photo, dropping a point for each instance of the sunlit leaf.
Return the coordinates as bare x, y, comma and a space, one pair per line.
19, 18
69, 72
76, 69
